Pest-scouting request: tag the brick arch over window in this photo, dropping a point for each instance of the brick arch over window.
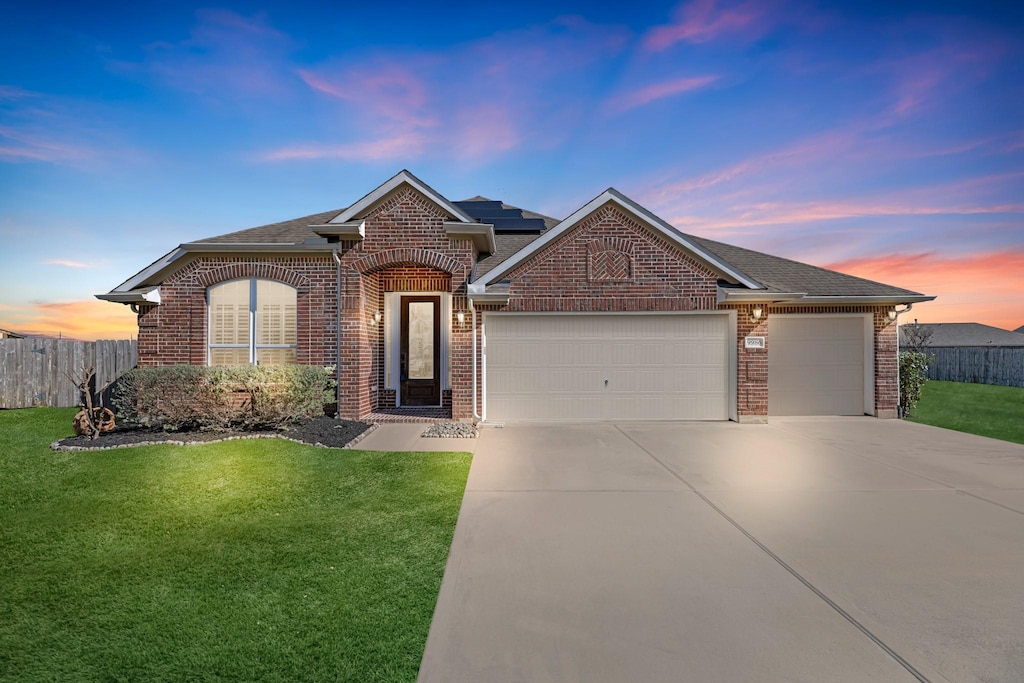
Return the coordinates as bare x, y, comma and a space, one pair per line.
262, 271
408, 257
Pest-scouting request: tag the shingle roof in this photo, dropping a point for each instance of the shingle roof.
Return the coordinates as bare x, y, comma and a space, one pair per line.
775, 273
292, 231
966, 334
1020, 329
784, 275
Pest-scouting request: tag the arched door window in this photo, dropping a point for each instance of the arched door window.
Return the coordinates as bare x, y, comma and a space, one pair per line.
252, 321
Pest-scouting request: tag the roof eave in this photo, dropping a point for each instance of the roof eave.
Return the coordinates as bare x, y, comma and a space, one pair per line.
144, 295
164, 264
881, 300
353, 230
482, 234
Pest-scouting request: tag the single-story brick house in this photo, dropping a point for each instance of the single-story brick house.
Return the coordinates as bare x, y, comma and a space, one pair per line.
497, 313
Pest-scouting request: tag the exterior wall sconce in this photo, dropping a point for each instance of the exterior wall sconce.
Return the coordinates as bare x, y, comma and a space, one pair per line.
891, 314
756, 313
460, 317
375, 319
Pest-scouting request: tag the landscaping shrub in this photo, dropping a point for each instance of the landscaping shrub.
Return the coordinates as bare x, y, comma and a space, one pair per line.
913, 375
189, 397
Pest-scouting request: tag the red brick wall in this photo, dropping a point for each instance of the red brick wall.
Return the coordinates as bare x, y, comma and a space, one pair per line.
609, 262
175, 332
752, 364
661, 277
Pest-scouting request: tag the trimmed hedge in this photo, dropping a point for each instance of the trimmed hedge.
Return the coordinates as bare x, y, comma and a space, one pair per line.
191, 397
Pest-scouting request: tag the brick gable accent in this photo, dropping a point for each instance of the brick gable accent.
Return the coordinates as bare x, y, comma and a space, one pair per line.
662, 276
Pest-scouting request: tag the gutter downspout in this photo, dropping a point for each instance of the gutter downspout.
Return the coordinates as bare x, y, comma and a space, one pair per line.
337, 339
476, 415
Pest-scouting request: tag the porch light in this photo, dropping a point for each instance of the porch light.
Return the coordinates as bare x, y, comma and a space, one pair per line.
376, 318
460, 316
756, 313
891, 313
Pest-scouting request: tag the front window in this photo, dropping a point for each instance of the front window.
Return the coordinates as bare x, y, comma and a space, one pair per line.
253, 321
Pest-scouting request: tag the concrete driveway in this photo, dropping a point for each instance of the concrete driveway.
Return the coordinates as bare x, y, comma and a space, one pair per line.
810, 549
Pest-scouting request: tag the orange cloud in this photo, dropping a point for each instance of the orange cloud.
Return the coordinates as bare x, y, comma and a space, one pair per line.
984, 287
656, 91
88, 320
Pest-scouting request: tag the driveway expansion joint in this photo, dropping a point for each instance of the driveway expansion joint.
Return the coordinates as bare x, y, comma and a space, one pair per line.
782, 563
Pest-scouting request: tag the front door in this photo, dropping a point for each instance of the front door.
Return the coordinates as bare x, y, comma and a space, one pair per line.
421, 351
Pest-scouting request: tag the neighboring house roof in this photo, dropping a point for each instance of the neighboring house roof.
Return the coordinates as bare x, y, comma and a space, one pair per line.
747, 275
1020, 329
10, 334
966, 334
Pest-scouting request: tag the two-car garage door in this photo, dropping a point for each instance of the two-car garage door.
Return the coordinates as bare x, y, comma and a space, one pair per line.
608, 367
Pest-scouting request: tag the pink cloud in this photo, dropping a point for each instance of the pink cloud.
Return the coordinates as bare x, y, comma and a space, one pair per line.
656, 91
385, 91
701, 21
227, 55
499, 102
410, 145
66, 263
23, 144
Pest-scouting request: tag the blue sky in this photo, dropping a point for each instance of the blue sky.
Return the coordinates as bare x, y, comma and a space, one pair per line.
882, 139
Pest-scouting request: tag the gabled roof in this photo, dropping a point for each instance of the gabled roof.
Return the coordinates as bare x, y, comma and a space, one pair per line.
400, 178
965, 334
1020, 329
613, 196
746, 275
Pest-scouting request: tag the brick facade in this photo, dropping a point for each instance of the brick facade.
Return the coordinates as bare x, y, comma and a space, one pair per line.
607, 263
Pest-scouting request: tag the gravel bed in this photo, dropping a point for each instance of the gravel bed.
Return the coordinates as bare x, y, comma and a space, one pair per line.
325, 432
451, 430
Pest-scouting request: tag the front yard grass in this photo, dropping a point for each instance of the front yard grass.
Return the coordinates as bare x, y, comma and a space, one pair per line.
238, 561
982, 409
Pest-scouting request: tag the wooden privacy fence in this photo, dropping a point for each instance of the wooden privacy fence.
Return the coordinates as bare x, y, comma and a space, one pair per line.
979, 364
34, 372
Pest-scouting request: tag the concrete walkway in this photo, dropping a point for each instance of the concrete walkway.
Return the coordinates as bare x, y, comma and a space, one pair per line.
407, 437
816, 549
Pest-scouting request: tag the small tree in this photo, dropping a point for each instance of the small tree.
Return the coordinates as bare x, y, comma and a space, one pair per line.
915, 337
913, 375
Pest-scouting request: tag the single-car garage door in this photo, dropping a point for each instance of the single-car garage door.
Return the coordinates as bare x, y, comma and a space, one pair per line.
816, 365
607, 367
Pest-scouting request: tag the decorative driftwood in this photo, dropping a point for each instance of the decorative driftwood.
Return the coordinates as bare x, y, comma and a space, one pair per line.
91, 420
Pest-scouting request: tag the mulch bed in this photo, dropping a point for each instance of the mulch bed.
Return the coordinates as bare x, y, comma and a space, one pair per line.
325, 432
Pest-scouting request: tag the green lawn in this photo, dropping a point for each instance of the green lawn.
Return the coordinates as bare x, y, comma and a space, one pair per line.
982, 409
240, 561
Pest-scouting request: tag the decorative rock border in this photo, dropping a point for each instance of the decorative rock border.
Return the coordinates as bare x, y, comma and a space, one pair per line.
451, 430
58, 446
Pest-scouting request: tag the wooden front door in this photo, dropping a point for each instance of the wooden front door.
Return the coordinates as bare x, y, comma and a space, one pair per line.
421, 351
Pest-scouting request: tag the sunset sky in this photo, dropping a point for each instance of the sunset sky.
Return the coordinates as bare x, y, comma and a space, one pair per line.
884, 140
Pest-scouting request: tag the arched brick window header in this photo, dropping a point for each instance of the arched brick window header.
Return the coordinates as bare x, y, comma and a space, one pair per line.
262, 271
408, 257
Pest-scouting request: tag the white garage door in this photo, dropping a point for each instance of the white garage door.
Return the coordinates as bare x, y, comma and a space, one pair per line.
607, 367
816, 365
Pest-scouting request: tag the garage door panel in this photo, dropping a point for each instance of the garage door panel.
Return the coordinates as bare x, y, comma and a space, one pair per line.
658, 367
816, 365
